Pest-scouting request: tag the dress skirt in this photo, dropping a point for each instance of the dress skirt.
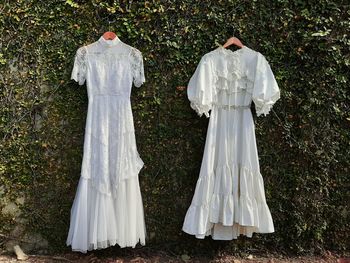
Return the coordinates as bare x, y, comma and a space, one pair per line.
229, 198
107, 209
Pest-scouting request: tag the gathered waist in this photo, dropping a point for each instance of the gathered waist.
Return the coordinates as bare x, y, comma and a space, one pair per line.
232, 107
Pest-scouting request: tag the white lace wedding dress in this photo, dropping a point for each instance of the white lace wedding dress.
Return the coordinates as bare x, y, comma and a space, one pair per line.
229, 198
107, 208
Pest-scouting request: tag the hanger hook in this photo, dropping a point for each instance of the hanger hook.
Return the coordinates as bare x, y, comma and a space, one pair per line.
109, 24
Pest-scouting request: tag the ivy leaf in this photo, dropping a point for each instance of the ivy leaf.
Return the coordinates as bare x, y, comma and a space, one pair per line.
321, 33
72, 3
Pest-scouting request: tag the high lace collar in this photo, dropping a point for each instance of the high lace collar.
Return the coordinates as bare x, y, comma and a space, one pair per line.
109, 43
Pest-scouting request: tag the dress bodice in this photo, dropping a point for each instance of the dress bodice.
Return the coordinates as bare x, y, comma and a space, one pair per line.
109, 68
232, 79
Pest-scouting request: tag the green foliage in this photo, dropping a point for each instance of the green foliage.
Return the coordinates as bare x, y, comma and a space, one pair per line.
303, 144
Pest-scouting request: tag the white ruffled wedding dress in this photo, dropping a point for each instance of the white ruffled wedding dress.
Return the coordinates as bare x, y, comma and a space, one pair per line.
229, 198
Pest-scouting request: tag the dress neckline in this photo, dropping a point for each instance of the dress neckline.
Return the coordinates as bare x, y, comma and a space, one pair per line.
229, 51
109, 43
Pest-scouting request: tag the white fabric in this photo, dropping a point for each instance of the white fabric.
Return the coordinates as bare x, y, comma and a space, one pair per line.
107, 208
229, 198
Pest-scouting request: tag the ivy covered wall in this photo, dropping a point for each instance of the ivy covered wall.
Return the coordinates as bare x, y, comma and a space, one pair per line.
303, 143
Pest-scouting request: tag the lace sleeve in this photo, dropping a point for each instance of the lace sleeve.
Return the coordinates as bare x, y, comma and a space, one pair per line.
79, 68
137, 67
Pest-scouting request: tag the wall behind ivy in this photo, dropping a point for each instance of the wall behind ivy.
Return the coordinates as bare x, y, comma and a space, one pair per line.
303, 143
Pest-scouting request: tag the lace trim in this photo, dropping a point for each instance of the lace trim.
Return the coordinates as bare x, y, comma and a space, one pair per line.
201, 109
264, 107
232, 107
230, 77
137, 67
233, 69
241, 84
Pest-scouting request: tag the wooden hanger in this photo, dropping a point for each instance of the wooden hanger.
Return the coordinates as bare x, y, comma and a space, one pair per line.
109, 35
233, 41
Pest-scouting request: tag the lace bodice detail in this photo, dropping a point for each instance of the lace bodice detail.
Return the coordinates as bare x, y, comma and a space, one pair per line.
109, 67
230, 75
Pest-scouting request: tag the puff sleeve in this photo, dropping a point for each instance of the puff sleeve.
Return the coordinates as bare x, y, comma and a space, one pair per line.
200, 88
80, 66
137, 68
266, 91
